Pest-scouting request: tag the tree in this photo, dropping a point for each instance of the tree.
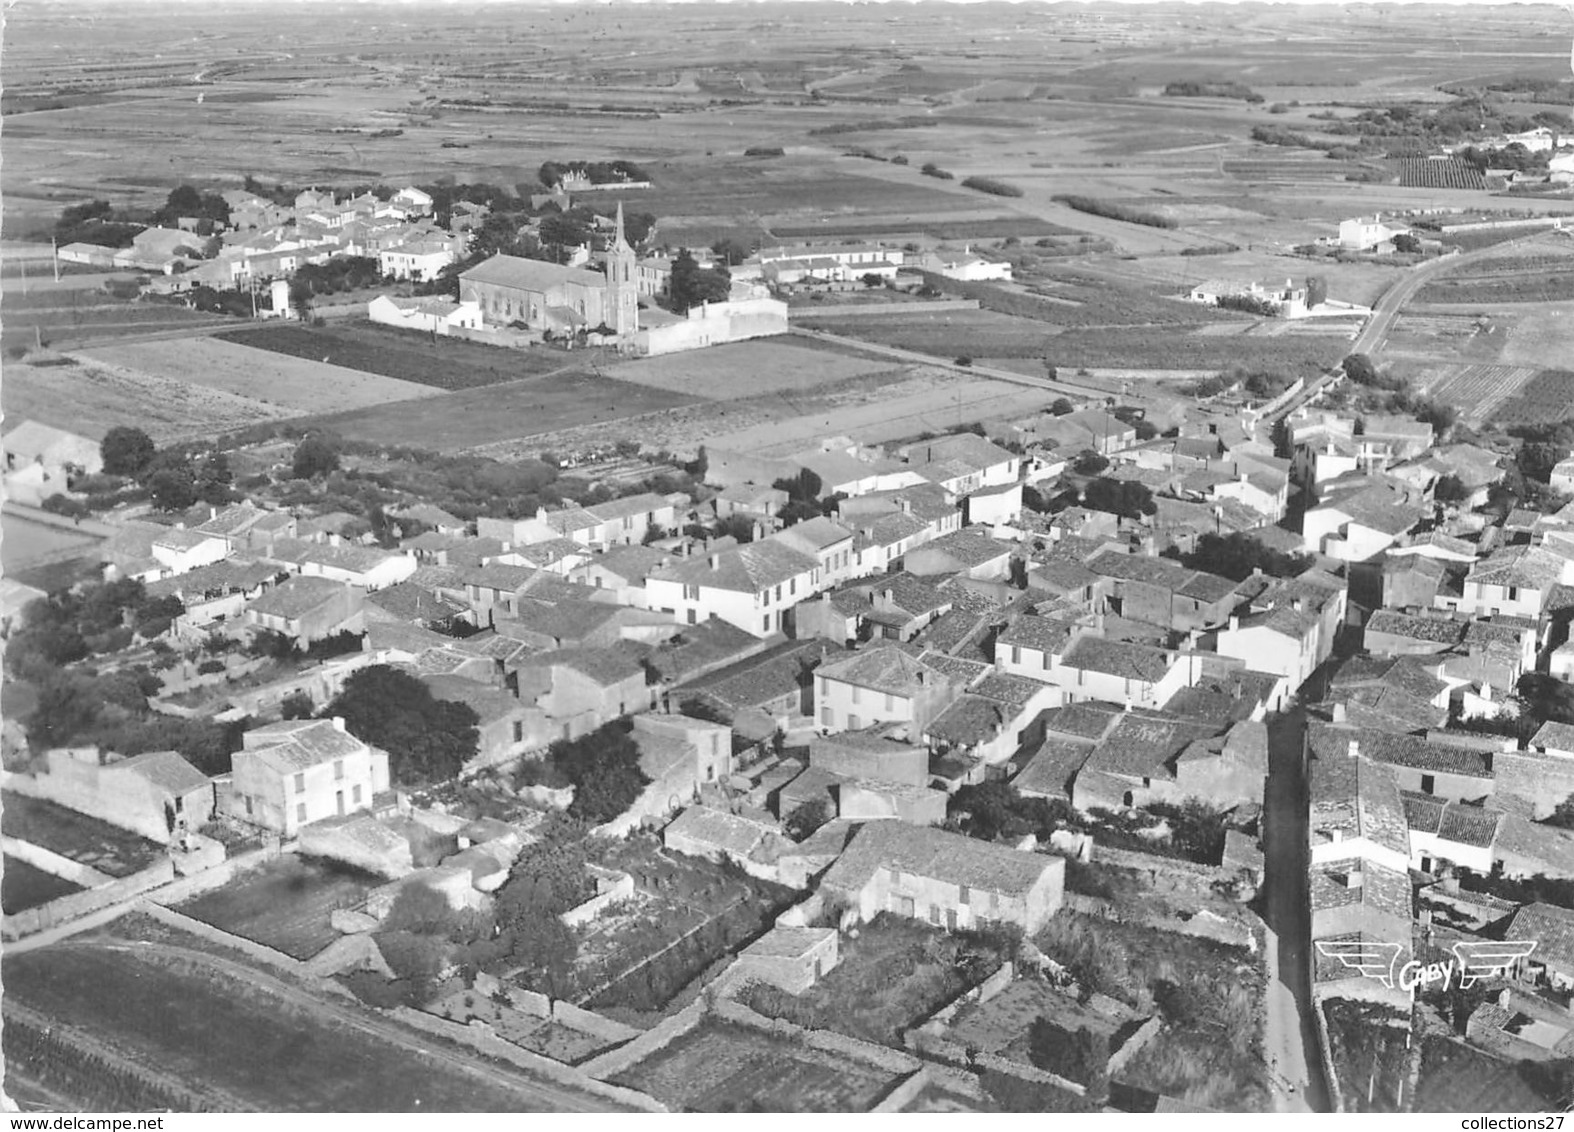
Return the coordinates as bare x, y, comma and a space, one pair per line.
1450, 489
297, 705
1359, 369
1089, 463
428, 740
604, 770
1237, 554
1408, 244
173, 488
1316, 291
316, 455
730, 251
125, 451
1061, 407
691, 285
1081, 1055
807, 818
1126, 498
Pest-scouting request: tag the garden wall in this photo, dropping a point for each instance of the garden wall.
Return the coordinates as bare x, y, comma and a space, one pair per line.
893, 1061
591, 1023
47, 860
867, 310
78, 904
481, 1037
904, 1094
625, 1057
250, 948
1325, 1051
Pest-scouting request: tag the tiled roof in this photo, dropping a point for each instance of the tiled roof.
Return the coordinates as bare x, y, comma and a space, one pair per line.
295, 745
774, 673
732, 833
605, 666
1530, 567
1139, 746
629, 506
297, 596
813, 535
1046, 634
884, 668
1052, 767
745, 569
415, 603
165, 770
1552, 928
959, 670
1222, 699
935, 854
1082, 720
1017, 691
971, 720
1439, 630
1384, 890
1119, 658
496, 576
530, 274
971, 548
1554, 736
1357, 796
228, 576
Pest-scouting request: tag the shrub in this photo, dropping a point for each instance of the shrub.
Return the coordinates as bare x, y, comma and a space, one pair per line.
991, 186
1112, 211
930, 169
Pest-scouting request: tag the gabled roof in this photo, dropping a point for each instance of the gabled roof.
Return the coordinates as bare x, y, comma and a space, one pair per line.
606, 666
414, 603
165, 770
743, 569
1552, 927
1119, 658
1046, 634
529, 274
971, 548
1528, 567
935, 854
297, 596
1437, 630
884, 668
296, 745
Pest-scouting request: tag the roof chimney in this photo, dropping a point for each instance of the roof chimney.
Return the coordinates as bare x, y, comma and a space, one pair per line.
1339, 715
715, 562
338, 723
1235, 623
1355, 749
1298, 605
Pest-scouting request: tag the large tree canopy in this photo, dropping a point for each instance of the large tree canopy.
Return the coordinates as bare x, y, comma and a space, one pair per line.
125, 451
427, 739
692, 284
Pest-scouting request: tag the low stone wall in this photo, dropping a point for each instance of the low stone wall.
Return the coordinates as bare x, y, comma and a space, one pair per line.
1241, 932
829, 1041
1027, 1073
1325, 1051
904, 1094
525, 1001
622, 888
615, 1061
878, 310
47, 860
481, 1037
78, 904
1145, 1034
591, 1023
250, 948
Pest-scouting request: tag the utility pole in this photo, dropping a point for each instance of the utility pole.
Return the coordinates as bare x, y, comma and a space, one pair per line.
54, 254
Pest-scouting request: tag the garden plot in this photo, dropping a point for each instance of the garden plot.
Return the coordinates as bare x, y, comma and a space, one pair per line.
1546, 397
1542, 338
527, 1031
294, 385
286, 904
722, 1067
1476, 390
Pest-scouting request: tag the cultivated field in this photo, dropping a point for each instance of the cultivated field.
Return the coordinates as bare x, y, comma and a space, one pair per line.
64, 323
22, 886
441, 363
233, 1035
509, 411
721, 1067
747, 369
1542, 338
293, 385
90, 398
1476, 391
286, 904
1549, 396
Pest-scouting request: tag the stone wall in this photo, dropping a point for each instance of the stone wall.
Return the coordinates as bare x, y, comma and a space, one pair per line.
481, 1037
616, 1061
78, 904
47, 860
591, 1023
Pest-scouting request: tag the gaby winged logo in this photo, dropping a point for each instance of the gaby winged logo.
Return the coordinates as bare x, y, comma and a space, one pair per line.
1473, 960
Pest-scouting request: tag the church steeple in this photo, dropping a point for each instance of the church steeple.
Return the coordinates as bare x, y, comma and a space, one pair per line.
622, 288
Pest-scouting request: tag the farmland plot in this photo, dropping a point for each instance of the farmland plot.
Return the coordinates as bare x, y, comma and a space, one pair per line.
1549, 396
295, 385
90, 399
1478, 390
1544, 338
746, 369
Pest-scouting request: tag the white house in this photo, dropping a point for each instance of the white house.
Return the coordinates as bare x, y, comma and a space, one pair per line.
966, 266
1361, 234
421, 258
754, 586
413, 200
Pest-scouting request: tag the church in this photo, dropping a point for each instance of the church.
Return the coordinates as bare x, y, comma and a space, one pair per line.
549, 297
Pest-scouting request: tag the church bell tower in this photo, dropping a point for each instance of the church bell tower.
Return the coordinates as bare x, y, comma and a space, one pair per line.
622, 290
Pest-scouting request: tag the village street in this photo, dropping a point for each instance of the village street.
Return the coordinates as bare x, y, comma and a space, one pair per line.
1290, 1042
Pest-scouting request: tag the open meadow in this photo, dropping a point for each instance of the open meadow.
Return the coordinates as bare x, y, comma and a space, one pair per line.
90, 398
748, 369
293, 385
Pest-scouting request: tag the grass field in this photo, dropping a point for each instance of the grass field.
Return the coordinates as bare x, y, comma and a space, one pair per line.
1542, 338
721, 1067
1512, 287
285, 904
445, 363
947, 334
206, 1028
747, 369
292, 384
22, 886
90, 399
23, 541
63, 324
109, 849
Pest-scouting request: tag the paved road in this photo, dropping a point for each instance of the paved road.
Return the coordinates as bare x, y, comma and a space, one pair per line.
1290, 1041
1375, 333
